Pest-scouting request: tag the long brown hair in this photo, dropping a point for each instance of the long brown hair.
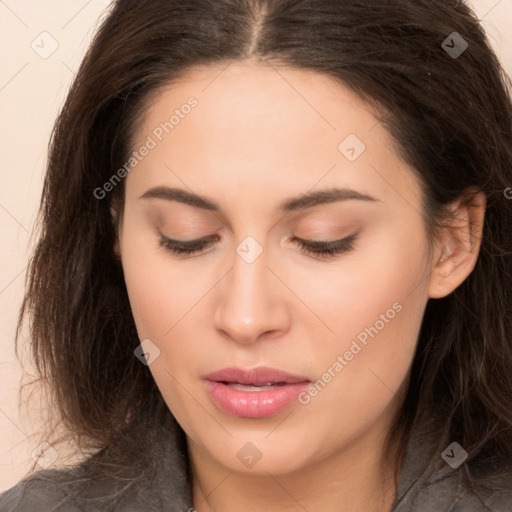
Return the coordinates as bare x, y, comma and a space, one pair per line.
451, 117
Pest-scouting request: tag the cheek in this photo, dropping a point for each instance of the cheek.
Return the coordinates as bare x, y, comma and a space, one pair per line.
374, 303
352, 292
158, 293
160, 288
162, 298
359, 380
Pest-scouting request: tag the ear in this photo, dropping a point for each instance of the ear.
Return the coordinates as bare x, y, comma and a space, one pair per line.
459, 244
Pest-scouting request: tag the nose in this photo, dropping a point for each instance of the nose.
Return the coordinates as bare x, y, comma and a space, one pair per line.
251, 305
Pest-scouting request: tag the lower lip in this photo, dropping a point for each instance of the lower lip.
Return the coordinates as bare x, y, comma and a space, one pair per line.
254, 404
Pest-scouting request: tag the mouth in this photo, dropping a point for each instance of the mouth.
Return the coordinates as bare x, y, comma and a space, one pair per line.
254, 393
251, 388
259, 376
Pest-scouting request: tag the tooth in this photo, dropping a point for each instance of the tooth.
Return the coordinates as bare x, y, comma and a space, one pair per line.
248, 387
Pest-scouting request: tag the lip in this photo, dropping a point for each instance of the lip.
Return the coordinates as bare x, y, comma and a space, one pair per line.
254, 376
254, 404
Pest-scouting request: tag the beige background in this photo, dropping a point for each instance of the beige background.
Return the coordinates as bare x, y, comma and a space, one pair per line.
31, 90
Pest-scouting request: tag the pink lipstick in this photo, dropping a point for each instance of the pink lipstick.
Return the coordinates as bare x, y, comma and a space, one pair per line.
256, 393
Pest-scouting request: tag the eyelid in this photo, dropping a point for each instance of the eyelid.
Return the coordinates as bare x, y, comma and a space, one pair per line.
318, 249
187, 245
326, 249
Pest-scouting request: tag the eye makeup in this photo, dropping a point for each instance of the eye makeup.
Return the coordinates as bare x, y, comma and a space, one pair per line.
316, 248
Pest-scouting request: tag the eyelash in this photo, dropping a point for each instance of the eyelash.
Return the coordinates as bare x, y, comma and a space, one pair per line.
315, 248
319, 249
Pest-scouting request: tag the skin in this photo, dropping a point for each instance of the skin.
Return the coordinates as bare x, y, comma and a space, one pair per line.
258, 136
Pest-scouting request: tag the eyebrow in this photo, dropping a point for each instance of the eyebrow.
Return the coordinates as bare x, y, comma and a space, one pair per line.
302, 202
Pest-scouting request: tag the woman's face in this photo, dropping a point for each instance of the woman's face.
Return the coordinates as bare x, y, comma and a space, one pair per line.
253, 160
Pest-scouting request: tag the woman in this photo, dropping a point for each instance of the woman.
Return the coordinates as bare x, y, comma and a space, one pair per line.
275, 264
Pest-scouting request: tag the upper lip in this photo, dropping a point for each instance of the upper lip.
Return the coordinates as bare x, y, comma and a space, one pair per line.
255, 376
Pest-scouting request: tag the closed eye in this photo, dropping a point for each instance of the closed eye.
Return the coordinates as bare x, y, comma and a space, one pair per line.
326, 249
315, 248
186, 248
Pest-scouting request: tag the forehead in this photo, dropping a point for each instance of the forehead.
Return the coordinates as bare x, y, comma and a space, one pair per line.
256, 126
258, 95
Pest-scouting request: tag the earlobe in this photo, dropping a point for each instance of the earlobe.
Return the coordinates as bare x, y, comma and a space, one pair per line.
459, 246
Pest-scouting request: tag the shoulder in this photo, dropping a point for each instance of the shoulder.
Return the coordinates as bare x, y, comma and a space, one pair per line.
446, 488
73, 490
145, 469
429, 483
43, 492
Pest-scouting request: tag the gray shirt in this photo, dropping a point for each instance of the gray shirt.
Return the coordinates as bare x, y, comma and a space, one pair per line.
426, 484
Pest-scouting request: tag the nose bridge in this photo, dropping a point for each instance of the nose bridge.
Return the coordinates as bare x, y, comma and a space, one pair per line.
247, 306
249, 269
